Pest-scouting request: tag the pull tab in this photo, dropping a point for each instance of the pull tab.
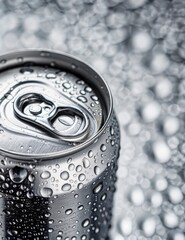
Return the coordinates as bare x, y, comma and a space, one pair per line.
68, 123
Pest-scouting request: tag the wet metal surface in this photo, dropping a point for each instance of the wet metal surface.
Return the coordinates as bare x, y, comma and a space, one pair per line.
139, 48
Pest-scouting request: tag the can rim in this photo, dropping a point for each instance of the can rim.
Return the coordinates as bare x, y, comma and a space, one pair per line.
81, 146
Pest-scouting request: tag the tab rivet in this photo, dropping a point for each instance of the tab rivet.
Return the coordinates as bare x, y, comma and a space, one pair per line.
35, 109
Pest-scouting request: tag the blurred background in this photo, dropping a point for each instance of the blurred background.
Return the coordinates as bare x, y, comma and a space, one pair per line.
138, 46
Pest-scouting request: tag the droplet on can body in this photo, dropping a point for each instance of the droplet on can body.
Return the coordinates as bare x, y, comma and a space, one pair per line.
18, 174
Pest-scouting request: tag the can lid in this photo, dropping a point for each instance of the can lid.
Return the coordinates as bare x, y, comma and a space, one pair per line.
50, 104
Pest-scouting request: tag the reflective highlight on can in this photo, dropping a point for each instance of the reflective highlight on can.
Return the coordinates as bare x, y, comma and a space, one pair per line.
59, 148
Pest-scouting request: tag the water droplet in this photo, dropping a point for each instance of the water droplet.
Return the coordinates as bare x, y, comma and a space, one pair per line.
51, 75
86, 162
98, 188
80, 82
170, 220
103, 197
151, 112
26, 70
79, 168
142, 41
175, 195
82, 177
94, 98
82, 99
31, 178
73, 66
90, 154
71, 167
137, 196
125, 226
66, 85
20, 59
68, 211
149, 226
2, 178
59, 237
161, 184
88, 89
81, 207
45, 175
85, 223
171, 126
82, 92
159, 63
177, 236
156, 199
64, 175
163, 88
111, 131
18, 174
96, 170
46, 192
66, 187
103, 148
161, 151
84, 237
80, 185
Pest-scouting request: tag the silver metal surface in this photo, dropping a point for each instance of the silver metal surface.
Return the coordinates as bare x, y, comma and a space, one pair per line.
25, 78
45, 112
59, 149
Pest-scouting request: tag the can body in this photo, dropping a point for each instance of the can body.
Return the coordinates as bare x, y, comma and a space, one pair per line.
60, 196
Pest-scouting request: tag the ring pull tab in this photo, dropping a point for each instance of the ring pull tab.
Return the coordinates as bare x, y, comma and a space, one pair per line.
69, 123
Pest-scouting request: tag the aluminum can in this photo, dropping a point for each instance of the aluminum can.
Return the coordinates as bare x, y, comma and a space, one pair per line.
59, 146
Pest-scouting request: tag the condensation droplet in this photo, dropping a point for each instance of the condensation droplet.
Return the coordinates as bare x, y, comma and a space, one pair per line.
103, 148
85, 223
150, 112
66, 85
26, 70
149, 226
82, 177
125, 226
88, 89
64, 175
137, 196
170, 220
46, 192
68, 211
51, 75
86, 163
96, 170
79, 168
98, 188
45, 175
82, 99
66, 187
18, 174
90, 154
71, 167
175, 195
161, 151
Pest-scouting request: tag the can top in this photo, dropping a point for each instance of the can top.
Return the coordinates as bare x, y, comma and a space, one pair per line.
51, 104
